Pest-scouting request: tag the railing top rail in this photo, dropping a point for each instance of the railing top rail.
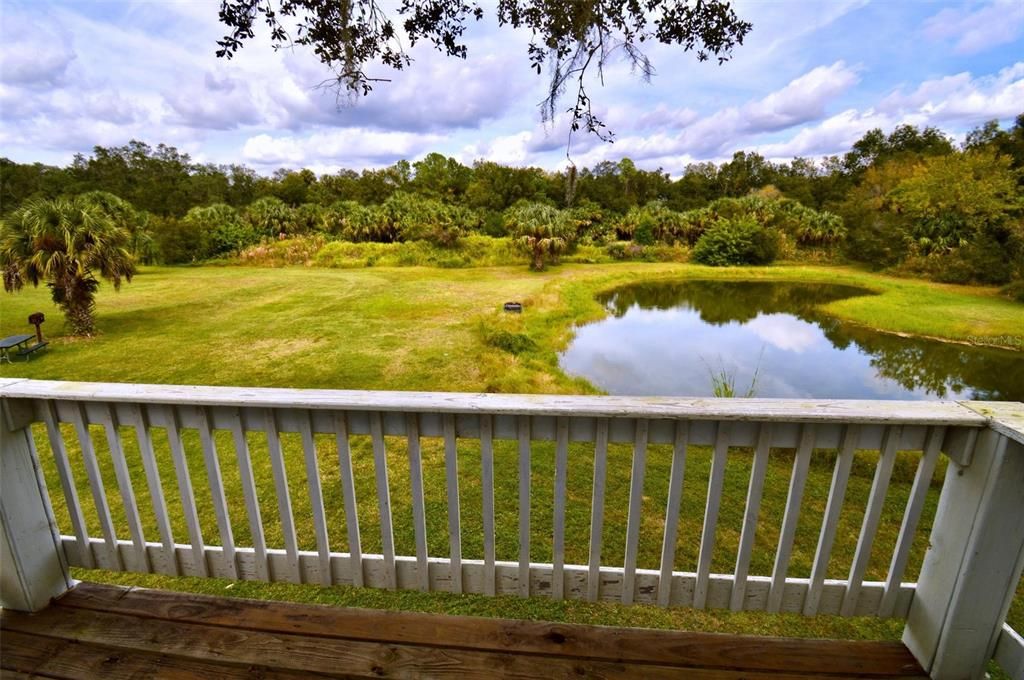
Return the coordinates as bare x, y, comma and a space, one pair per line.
1005, 417
779, 410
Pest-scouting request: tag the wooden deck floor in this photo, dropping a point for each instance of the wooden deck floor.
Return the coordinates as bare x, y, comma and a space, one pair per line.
98, 631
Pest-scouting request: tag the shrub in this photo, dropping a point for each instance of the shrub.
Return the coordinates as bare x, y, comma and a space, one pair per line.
289, 251
513, 343
220, 229
736, 242
269, 216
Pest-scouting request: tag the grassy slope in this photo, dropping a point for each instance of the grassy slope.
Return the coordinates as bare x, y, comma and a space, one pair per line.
416, 328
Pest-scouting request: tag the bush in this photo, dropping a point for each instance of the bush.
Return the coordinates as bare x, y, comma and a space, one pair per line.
1014, 291
513, 343
736, 242
289, 251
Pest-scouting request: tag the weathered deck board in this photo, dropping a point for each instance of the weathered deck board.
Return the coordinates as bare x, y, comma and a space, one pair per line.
114, 632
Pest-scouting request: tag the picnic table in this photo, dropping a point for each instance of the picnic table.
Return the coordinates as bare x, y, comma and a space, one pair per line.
19, 343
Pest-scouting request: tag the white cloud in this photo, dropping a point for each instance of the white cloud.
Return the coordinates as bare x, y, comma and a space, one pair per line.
350, 147
34, 55
995, 23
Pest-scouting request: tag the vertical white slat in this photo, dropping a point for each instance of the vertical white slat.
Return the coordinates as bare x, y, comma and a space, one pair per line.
714, 502
139, 420
558, 528
797, 482
348, 491
380, 468
675, 495
99, 494
67, 483
316, 498
523, 427
220, 505
636, 500
185, 492
284, 499
124, 484
750, 515
830, 522
597, 509
872, 516
252, 504
451, 465
419, 515
487, 481
911, 516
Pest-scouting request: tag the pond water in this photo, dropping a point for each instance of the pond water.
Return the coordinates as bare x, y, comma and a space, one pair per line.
669, 338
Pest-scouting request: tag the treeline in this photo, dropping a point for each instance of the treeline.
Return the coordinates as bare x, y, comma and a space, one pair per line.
911, 200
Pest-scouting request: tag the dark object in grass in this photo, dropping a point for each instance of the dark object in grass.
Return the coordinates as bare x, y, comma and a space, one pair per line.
516, 307
37, 320
514, 343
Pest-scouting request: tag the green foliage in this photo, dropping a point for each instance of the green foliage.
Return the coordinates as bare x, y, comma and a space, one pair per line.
126, 217
956, 217
653, 223
70, 245
271, 217
221, 231
542, 231
414, 218
507, 341
736, 242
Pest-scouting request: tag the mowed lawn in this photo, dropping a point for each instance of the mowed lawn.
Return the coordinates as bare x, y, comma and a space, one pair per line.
414, 328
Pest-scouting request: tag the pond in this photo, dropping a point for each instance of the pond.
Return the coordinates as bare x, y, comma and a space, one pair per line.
671, 338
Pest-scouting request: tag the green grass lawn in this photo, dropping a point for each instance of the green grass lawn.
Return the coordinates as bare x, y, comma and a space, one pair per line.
419, 329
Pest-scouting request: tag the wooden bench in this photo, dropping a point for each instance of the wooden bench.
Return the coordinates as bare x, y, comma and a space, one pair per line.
27, 351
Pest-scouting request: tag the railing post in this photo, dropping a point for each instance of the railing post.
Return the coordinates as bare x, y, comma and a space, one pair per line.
32, 566
974, 559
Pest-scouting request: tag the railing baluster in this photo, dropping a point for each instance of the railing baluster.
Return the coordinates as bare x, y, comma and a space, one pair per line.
523, 431
797, 482
597, 509
138, 418
284, 500
67, 482
252, 505
830, 523
707, 537
419, 515
348, 491
451, 464
558, 533
872, 516
636, 500
316, 498
487, 482
186, 493
99, 494
380, 467
750, 515
124, 484
220, 506
911, 516
675, 495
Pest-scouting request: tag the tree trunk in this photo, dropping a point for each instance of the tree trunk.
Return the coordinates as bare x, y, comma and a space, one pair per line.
76, 297
80, 318
538, 258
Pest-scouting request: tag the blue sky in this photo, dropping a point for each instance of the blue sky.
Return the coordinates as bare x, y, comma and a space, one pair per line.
810, 79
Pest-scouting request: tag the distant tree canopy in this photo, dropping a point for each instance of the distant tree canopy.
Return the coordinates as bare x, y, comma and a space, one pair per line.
571, 38
910, 199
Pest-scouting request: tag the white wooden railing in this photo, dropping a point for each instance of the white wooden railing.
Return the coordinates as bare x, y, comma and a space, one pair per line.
955, 611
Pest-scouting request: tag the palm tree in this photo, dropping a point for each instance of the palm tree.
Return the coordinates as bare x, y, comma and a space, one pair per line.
542, 231
66, 243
